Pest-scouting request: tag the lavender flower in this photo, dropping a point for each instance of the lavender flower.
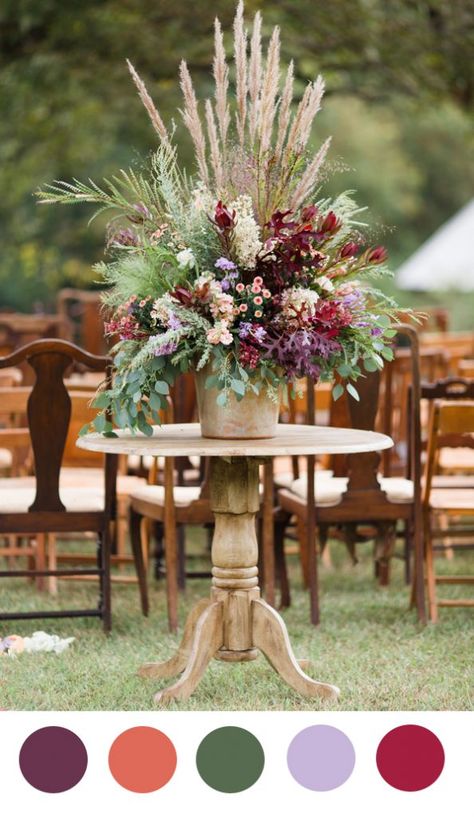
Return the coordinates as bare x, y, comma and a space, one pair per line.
166, 349
259, 333
174, 322
225, 264
244, 330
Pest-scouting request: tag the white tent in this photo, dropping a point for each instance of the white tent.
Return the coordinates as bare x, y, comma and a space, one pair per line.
446, 260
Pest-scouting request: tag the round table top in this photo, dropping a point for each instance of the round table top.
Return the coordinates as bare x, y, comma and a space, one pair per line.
184, 439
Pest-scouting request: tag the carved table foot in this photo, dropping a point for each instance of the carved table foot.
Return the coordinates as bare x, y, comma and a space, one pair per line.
176, 664
271, 637
208, 638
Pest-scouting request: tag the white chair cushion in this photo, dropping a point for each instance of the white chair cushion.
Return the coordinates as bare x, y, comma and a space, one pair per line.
18, 493
286, 478
456, 459
328, 490
5, 458
452, 499
183, 494
93, 479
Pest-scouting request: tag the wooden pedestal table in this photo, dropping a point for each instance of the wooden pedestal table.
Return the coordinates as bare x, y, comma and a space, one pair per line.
235, 623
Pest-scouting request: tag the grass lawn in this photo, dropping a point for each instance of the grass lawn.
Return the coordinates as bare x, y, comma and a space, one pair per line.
368, 644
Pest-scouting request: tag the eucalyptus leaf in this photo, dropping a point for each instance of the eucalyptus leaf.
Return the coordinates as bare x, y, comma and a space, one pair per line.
353, 391
337, 391
162, 387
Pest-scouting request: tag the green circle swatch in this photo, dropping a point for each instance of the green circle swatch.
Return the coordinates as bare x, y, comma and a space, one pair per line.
230, 759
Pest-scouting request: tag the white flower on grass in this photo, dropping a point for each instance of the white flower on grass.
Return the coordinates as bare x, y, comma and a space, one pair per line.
186, 259
246, 233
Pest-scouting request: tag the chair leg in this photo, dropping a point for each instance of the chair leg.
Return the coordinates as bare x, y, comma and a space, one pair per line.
171, 562
350, 541
430, 578
121, 531
323, 533
52, 563
385, 543
302, 533
158, 550
281, 521
40, 559
103, 562
135, 538
181, 544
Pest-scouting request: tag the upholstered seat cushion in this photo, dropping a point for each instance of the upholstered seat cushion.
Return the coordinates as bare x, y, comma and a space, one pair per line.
93, 478
329, 490
452, 499
455, 460
286, 478
5, 459
18, 493
183, 495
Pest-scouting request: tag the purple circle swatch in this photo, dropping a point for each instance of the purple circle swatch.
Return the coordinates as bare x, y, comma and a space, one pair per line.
53, 759
321, 758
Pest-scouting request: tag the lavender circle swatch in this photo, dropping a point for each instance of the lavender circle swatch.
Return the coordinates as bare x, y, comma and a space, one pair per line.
321, 758
53, 759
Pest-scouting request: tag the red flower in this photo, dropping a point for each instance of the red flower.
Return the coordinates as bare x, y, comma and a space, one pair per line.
182, 295
223, 217
349, 250
277, 223
309, 213
377, 255
249, 356
331, 223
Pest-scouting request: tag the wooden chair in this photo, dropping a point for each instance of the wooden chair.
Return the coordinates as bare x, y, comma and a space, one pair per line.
172, 507
81, 309
47, 508
458, 460
455, 345
466, 368
452, 424
363, 497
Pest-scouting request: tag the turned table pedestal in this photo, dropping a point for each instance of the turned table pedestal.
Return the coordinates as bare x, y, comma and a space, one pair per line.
235, 623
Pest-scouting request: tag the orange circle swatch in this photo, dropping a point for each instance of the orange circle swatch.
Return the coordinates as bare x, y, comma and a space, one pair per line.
142, 759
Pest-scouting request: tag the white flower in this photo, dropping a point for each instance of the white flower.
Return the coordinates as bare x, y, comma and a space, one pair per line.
220, 334
325, 283
246, 234
300, 303
222, 306
43, 642
162, 309
186, 259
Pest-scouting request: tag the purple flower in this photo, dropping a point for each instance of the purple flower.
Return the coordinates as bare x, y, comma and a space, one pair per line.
376, 331
166, 348
225, 284
224, 263
259, 333
174, 322
244, 329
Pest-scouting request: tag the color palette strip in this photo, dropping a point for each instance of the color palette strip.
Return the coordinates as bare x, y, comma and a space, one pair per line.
231, 759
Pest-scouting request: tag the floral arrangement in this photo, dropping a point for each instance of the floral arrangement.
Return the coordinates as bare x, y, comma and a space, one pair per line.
243, 268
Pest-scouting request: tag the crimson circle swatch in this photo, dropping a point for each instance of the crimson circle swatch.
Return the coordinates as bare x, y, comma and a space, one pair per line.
142, 759
53, 759
410, 758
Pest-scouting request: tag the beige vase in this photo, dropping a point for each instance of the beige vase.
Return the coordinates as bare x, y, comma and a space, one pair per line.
254, 417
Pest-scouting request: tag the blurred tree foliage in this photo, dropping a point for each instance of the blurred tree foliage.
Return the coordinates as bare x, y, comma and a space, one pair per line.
399, 92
